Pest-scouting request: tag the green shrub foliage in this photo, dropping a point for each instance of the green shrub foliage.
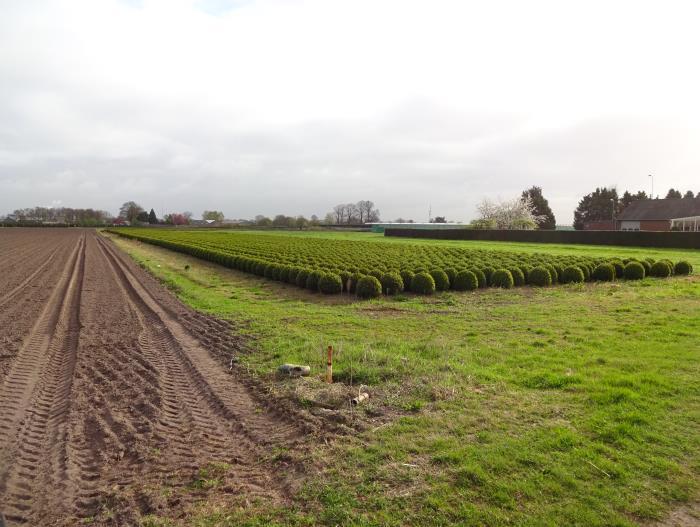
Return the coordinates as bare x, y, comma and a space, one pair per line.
354, 279
407, 277
684, 268
518, 276
293, 259
313, 279
392, 283
572, 274
368, 287
488, 271
661, 269
465, 281
605, 272
619, 268
302, 275
451, 273
634, 271
481, 277
330, 284
423, 284
442, 281
502, 278
539, 276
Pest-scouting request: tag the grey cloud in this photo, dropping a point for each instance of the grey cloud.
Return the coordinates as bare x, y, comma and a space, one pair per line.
404, 161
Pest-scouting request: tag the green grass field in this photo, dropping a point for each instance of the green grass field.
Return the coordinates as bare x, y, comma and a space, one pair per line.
571, 405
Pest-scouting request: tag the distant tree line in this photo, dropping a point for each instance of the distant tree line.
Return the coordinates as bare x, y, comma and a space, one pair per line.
67, 215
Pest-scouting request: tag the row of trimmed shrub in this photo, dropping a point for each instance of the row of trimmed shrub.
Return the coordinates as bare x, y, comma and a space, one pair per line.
367, 283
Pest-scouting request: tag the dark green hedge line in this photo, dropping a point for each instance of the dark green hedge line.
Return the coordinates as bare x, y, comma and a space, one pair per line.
670, 240
370, 269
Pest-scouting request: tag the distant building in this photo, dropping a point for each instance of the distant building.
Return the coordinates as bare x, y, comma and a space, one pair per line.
681, 214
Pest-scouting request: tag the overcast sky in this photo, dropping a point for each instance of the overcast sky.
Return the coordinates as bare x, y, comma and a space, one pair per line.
291, 107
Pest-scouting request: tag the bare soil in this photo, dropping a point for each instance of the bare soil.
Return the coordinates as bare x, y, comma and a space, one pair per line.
110, 388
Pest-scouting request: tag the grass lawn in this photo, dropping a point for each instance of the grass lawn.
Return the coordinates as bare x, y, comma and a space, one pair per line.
571, 405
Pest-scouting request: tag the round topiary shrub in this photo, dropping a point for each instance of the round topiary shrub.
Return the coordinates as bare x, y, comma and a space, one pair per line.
518, 276
480, 276
330, 284
572, 274
354, 279
368, 287
451, 273
604, 272
586, 270
465, 281
634, 271
502, 278
302, 275
423, 284
539, 276
661, 269
684, 268
376, 273
552, 272
313, 279
670, 265
406, 277
619, 268
488, 271
442, 281
392, 283
647, 267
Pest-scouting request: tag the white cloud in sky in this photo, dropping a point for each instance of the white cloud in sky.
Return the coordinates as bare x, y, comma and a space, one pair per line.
275, 106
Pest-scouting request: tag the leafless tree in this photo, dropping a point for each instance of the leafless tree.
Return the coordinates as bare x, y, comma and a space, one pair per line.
339, 213
360, 212
352, 213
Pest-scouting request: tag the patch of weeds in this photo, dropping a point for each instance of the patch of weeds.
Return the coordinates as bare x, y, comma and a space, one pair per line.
210, 477
470, 476
152, 520
614, 396
413, 406
550, 381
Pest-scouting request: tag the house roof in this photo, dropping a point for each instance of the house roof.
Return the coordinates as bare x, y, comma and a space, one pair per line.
660, 209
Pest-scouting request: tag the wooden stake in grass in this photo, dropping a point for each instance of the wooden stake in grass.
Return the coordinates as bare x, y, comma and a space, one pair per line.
329, 366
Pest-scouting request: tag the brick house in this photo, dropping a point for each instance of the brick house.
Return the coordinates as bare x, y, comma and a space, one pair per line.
682, 214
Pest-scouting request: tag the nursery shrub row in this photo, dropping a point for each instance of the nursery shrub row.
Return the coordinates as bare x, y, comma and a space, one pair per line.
370, 269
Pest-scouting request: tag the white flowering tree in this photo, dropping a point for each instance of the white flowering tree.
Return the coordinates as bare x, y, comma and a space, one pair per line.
513, 214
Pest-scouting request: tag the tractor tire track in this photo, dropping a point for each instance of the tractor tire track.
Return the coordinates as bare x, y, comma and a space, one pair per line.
35, 399
117, 388
190, 407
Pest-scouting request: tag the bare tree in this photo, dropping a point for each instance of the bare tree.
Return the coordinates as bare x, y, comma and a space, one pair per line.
360, 212
339, 213
365, 208
352, 213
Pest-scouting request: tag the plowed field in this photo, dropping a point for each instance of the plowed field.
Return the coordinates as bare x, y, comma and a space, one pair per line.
109, 385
